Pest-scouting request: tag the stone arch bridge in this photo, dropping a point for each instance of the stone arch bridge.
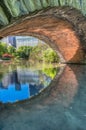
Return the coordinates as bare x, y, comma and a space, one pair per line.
60, 23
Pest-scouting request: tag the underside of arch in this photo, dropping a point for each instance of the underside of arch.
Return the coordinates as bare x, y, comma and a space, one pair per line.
59, 30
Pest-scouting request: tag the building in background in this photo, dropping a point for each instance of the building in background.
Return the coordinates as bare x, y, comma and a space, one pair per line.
26, 41
12, 41
18, 41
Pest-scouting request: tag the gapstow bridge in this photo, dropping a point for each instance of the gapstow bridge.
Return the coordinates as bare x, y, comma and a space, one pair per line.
60, 23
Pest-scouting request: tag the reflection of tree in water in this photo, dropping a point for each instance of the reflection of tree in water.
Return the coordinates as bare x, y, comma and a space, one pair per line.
1, 76
51, 72
19, 76
25, 81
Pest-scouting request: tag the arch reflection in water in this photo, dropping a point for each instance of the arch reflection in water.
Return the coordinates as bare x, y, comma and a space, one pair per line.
23, 83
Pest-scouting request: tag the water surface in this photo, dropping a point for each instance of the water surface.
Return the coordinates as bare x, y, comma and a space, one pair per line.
20, 82
62, 106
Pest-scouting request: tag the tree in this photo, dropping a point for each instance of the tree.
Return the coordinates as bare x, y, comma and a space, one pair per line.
11, 50
50, 56
3, 48
42, 52
24, 52
37, 52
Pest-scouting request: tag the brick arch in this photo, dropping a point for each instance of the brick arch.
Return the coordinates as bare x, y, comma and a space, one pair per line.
60, 26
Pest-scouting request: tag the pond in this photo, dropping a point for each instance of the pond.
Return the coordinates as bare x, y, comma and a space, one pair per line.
62, 106
22, 81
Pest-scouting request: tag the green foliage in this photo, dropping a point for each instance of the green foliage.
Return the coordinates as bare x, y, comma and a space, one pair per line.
23, 52
11, 49
37, 52
3, 48
51, 72
43, 52
50, 56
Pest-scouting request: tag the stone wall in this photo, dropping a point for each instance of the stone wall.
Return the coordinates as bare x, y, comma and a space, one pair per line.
63, 28
11, 9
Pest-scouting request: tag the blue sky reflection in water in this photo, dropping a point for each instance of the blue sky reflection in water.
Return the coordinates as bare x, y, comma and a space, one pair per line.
23, 83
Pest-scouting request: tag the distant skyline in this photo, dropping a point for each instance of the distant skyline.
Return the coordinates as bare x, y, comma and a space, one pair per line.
18, 41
